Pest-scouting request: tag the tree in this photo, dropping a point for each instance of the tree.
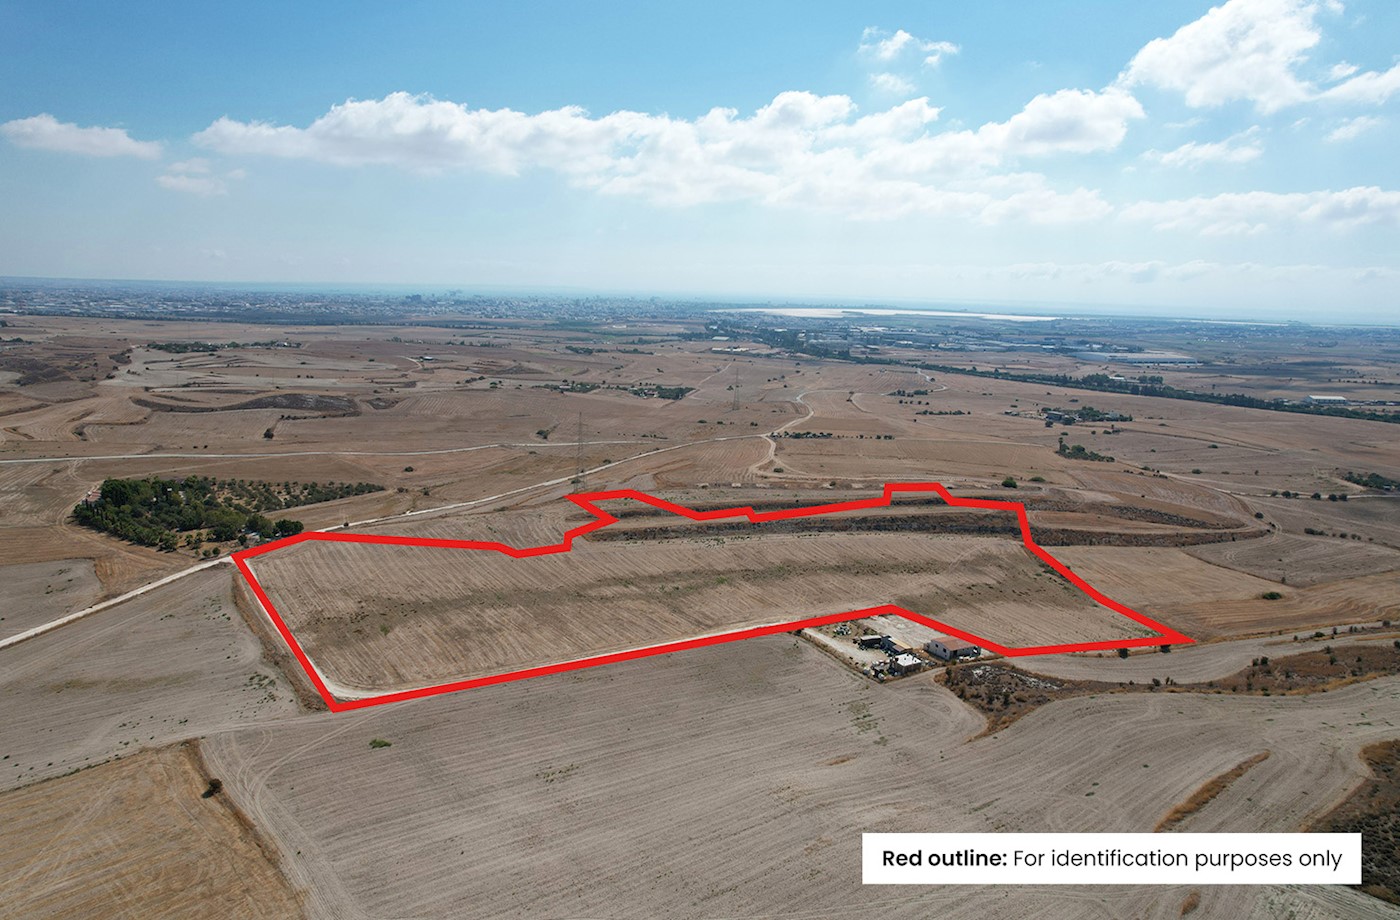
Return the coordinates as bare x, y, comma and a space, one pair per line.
287, 528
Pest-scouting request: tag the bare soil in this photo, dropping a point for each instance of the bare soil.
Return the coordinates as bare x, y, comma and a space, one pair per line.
136, 837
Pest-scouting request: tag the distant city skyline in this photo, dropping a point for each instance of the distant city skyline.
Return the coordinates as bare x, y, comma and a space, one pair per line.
1234, 159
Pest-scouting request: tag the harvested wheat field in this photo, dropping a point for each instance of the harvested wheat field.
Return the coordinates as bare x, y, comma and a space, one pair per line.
54, 589
136, 838
174, 663
1301, 560
735, 781
377, 617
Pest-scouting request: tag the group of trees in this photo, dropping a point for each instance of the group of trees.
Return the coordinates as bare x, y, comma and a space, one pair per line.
1080, 452
157, 512
1373, 481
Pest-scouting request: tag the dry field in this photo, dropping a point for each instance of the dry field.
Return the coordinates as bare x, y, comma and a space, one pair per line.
736, 780
389, 617
52, 588
134, 838
175, 663
1205, 600
728, 781
1301, 560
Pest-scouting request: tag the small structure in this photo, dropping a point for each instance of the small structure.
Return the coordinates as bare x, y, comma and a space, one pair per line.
949, 649
1326, 400
871, 641
906, 664
894, 647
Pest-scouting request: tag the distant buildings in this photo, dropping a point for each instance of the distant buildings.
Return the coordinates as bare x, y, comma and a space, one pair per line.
1325, 400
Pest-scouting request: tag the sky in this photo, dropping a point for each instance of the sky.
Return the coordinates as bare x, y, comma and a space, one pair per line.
1237, 159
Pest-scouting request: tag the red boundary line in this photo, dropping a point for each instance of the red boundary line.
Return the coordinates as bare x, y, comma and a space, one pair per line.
603, 519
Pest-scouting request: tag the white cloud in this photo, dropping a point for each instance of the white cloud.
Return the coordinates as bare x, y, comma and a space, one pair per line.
1242, 50
934, 52
196, 177
1252, 51
196, 165
204, 186
800, 150
1069, 121
1254, 212
891, 83
1369, 88
1354, 127
1241, 148
885, 46
44, 132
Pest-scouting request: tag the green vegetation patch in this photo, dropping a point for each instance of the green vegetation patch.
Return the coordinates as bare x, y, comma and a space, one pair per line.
184, 348
1080, 452
1373, 481
156, 512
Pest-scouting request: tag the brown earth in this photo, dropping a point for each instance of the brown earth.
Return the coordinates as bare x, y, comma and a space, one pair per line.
137, 838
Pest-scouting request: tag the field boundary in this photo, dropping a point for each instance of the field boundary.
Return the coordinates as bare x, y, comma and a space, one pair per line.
587, 500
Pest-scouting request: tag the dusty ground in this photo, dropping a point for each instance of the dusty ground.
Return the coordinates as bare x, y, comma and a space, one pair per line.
173, 664
729, 781
386, 617
135, 838
51, 589
736, 780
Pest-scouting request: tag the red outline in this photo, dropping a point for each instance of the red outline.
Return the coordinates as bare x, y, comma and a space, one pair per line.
603, 519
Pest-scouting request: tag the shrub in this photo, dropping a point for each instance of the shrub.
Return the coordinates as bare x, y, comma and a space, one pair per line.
1272, 595
1009, 483
380, 743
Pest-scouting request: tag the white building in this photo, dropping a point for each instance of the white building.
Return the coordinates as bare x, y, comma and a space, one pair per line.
948, 649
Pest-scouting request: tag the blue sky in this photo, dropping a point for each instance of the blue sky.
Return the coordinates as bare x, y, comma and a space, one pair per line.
1232, 160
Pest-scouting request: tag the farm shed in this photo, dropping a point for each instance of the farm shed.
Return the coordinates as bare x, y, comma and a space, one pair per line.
895, 647
948, 649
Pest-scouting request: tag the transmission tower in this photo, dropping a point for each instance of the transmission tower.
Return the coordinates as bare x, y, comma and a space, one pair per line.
580, 477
